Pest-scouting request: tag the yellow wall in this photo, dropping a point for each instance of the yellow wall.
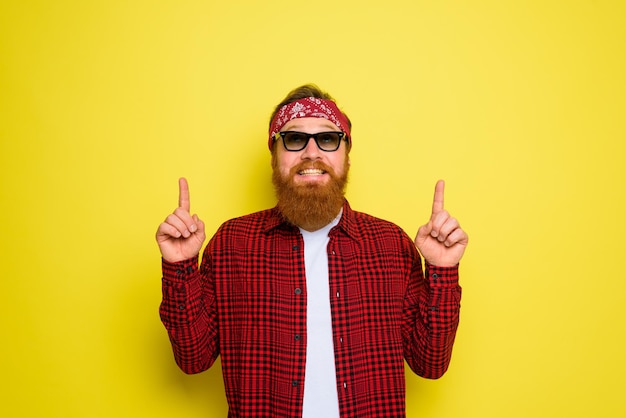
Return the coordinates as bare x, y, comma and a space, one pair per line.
519, 105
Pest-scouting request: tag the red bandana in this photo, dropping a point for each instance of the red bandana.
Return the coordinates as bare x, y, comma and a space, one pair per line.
310, 107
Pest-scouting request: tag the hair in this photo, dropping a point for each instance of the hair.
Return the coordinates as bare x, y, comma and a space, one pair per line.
302, 92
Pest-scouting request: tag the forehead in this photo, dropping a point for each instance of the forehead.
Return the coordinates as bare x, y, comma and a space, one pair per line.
310, 125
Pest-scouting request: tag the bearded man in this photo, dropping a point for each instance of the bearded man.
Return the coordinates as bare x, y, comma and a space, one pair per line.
312, 306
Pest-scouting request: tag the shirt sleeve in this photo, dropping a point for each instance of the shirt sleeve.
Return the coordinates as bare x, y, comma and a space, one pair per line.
188, 312
431, 317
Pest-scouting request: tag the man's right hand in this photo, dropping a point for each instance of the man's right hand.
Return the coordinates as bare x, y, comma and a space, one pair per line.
181, 236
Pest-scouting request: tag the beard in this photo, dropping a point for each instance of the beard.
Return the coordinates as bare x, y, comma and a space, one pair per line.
309, 206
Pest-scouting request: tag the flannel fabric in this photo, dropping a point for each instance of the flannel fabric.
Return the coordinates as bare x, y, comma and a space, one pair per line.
247, 303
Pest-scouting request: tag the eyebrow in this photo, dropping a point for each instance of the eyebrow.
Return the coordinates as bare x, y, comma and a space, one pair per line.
329, 125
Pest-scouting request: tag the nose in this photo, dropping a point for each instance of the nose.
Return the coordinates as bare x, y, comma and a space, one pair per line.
311, 151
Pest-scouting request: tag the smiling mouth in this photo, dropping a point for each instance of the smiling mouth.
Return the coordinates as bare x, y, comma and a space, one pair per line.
311, 172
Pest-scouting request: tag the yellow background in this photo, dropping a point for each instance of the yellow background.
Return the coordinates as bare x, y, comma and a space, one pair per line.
519, 105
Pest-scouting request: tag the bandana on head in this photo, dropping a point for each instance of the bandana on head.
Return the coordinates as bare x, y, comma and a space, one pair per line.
310, 107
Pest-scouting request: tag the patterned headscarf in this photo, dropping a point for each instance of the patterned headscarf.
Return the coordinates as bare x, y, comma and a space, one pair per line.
310, 107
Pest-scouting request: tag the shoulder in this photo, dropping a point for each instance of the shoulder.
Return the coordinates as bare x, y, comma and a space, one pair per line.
363, 226
362, 218
253, 233
250, 224
377, 236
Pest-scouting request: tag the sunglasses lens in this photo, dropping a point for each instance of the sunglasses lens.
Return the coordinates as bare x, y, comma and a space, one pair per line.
328, 141
295, 141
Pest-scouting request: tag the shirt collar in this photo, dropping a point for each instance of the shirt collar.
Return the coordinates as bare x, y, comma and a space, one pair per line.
346, 223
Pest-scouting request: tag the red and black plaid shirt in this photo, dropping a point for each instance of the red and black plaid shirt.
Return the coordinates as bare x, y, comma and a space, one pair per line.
247, 303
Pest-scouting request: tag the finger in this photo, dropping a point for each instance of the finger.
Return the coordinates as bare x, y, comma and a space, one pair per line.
200, 225
446, 228
424, 231
458, 236
167, 231
438, 199
438, 220
178, 223
187, 219
183, 194
198, 222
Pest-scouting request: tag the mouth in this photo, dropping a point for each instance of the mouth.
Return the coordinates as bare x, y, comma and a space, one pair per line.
311, 172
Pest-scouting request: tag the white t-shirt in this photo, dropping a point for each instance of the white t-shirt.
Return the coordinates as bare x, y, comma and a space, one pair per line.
320, 381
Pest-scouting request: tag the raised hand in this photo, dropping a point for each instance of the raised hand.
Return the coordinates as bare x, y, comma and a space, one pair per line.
181, 235
441, 241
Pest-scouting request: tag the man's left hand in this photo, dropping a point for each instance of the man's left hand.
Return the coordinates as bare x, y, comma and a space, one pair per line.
441, 241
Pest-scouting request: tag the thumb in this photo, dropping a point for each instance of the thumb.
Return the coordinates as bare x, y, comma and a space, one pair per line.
199, 224
424, 232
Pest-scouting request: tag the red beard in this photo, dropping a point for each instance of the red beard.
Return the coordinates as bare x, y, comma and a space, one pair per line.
309, 206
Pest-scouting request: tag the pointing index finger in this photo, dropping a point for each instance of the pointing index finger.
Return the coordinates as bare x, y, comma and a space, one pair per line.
183, 194
438, 199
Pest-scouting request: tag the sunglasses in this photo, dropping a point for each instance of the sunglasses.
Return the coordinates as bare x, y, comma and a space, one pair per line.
297, 141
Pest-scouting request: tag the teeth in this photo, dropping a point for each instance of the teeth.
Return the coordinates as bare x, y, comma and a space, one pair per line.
311, 171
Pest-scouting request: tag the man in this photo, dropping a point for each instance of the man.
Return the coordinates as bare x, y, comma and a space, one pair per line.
312, 306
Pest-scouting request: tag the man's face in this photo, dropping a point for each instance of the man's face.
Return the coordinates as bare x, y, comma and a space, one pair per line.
310, 183
311, 156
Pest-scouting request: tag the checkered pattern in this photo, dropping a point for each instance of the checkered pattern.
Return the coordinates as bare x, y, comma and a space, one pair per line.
247, 303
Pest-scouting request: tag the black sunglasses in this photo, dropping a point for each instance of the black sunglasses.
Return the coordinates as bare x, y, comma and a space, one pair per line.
297, 141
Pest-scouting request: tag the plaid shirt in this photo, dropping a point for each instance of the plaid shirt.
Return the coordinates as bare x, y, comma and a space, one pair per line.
247, 302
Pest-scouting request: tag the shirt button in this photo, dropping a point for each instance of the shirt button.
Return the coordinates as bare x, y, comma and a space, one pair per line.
297, 291
181, 307
294, 383
435, 276
295, 247
297, 337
